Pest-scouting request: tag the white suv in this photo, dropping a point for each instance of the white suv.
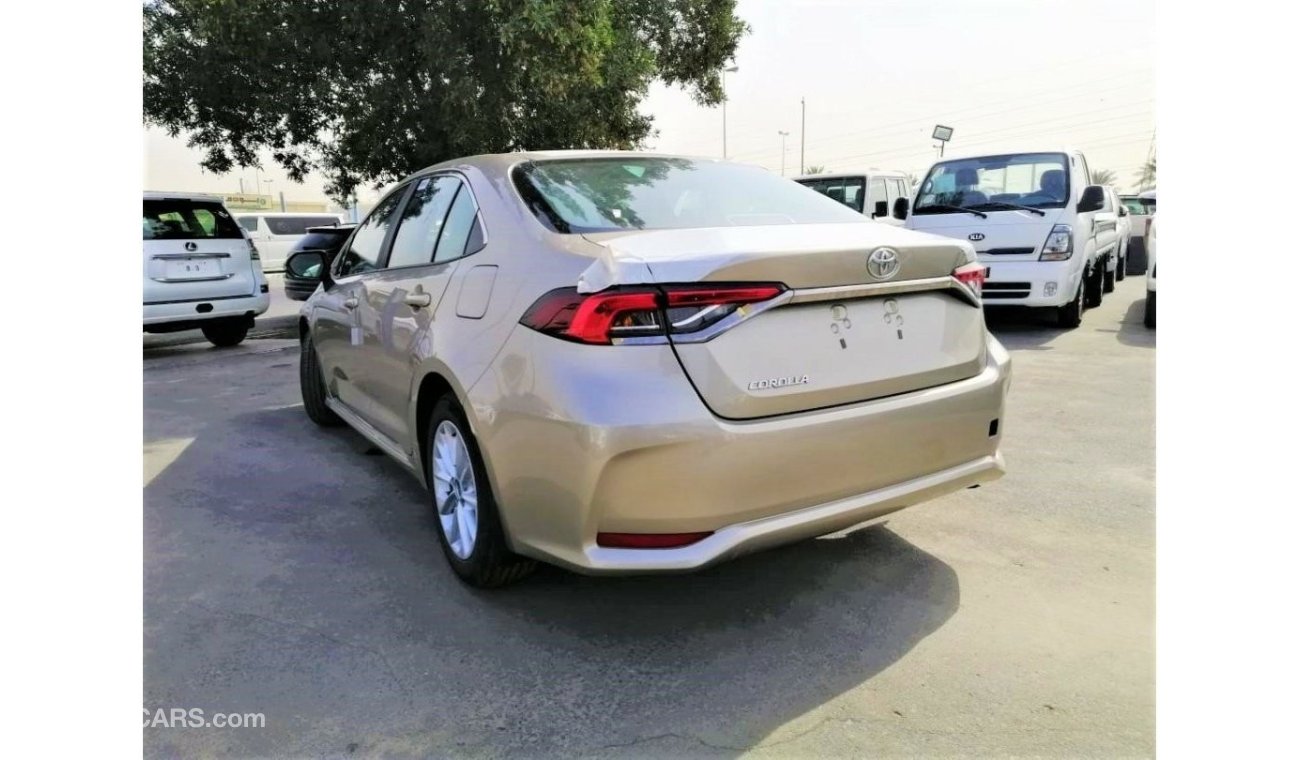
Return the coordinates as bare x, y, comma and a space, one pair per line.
200, 269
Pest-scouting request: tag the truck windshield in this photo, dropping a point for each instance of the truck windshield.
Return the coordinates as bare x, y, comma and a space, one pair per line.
1036, 180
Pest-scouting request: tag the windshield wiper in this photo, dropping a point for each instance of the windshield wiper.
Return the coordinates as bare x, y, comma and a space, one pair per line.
1015, 206
946, 207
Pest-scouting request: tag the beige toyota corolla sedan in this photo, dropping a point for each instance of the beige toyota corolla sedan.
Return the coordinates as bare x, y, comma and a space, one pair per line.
625, 362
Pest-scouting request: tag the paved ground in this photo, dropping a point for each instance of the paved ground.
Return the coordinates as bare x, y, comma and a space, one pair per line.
295, 572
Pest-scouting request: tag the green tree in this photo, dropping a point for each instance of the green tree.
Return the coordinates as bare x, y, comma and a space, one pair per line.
815, 169
367, 92
1147, 175
1103, 177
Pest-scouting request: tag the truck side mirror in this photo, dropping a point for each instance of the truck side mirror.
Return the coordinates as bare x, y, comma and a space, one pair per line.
1094, 199
882, 209
901, 207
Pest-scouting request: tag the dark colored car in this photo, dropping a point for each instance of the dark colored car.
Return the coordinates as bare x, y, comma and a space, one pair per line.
325, 239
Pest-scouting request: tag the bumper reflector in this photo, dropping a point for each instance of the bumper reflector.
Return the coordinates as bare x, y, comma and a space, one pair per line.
649, 540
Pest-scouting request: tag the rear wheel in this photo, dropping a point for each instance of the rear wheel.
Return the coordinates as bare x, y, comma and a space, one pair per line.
226, 332
1070, 315
1149, 312
1120, 274
1108, 280
1094, 286
312, 383
469, 526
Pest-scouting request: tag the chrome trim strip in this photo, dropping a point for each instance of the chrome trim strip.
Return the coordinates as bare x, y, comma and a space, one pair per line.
193, 279
869, 289
174, 256
370, 432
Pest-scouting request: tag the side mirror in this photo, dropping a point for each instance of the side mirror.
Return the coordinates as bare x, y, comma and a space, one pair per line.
1123, 211
882, 209
310, 265
1094, 199
901, 207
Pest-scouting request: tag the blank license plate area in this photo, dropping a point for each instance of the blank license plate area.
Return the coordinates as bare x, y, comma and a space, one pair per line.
192, 269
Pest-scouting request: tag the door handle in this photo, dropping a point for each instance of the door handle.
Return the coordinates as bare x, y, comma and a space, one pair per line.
418, 300
350, 303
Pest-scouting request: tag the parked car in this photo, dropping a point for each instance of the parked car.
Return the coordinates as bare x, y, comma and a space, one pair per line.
1149, 311
276, 233
1115, 213
872, 192
298, 286
622, 362
1031, 217
200, 269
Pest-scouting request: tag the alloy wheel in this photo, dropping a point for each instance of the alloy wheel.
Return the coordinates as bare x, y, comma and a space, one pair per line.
455, 493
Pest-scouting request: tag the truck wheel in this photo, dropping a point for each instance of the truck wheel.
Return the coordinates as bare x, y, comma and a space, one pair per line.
226, 332
1094, 286
1108, 280
1149, 313
1120, 274
1070, 315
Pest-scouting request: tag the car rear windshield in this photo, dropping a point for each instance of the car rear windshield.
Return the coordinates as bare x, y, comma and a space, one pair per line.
1040, 180
181, 219
1140, 205
321, 241
656, 193
297, 225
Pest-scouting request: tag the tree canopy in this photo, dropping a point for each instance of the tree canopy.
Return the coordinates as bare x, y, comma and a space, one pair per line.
1103, 177
367, 91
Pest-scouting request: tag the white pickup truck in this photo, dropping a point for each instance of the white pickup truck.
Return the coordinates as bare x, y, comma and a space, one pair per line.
1035, 221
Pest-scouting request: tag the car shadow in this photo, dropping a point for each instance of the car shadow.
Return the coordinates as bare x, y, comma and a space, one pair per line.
1133, 330
291, 571
1023, 329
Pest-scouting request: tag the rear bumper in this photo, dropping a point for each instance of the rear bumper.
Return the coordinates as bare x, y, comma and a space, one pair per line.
194, 311
587, 460
1024, 283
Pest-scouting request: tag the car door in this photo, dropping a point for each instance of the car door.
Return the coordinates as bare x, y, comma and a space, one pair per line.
338, 321
431, 236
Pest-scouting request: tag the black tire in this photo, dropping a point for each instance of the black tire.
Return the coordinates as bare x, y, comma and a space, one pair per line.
225, 333
1120, 274
490, 563
1094, 286
1149, 311
312, 383
1108, 280
1070, 315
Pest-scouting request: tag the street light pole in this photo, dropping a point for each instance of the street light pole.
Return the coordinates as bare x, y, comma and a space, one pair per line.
803, 126
724, 107
783, 135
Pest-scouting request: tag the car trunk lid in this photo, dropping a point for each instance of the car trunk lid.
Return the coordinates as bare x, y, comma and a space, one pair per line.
840, 334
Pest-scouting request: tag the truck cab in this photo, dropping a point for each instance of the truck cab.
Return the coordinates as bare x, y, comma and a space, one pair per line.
871, 193
1035, 220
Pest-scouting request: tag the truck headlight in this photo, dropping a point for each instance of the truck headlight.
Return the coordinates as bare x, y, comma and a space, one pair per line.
1059, 245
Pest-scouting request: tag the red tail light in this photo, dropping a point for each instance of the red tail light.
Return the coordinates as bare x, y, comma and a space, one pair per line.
649, 540
649, 312
972, 275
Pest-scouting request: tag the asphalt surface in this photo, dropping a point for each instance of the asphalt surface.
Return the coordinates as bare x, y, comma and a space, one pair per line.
295, 572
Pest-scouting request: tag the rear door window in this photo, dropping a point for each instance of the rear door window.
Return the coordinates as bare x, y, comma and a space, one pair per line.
459, 229
181, 219
422, 221
248, 222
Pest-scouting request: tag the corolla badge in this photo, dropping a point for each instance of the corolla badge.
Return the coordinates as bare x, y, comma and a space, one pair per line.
977, 236
777, 382
883, 263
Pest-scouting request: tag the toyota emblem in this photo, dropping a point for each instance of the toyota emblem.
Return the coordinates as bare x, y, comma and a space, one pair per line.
883, 263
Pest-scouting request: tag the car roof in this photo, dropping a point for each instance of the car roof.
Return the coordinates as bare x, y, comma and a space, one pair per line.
287, 213
873, 172
500, 163
158, 195
990, 154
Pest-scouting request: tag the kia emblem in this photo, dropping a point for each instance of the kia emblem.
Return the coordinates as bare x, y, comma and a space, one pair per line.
975, 236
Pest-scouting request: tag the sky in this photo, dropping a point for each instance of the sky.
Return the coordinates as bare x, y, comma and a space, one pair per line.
877, 76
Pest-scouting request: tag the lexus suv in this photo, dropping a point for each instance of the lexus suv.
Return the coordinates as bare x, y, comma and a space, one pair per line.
622, 362
200, 269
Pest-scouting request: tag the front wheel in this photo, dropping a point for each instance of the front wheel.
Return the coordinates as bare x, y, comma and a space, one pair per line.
1094, 286
226, 332
469, 526
1149, 312
1120, 274
1108, 280
1070, 315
